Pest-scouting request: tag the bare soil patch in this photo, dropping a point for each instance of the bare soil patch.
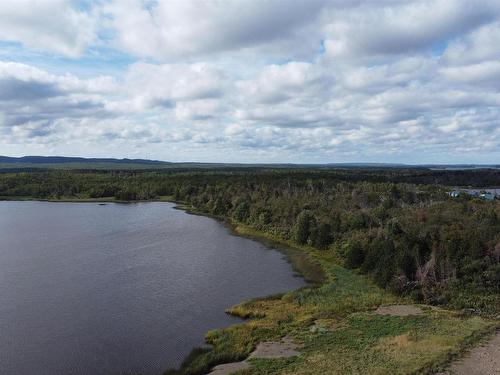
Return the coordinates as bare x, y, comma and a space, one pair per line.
271, 349
281, 349
398, 310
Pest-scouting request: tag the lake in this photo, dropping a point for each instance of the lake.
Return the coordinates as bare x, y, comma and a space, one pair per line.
120, 288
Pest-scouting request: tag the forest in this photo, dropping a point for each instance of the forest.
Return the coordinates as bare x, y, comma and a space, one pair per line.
398, 226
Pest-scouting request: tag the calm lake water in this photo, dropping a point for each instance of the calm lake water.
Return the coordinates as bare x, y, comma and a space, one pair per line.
120, 288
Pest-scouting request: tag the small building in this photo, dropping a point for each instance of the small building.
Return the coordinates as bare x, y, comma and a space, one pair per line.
487, 196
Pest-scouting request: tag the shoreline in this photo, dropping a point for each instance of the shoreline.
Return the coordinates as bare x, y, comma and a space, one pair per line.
79, 200
261, 307
301, 262
304, 269
288, 249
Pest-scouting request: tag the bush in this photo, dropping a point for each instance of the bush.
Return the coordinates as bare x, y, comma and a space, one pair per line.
321, 236
305, 223
354, 255
241, 211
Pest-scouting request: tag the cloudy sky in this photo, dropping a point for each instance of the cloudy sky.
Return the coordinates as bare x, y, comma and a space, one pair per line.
305, 81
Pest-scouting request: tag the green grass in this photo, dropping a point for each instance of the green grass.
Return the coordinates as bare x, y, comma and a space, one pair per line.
335, 325
365, 343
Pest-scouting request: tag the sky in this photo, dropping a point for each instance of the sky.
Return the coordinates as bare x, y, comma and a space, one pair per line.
300, 81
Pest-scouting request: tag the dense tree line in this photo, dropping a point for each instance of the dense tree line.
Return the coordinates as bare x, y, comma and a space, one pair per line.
394, 225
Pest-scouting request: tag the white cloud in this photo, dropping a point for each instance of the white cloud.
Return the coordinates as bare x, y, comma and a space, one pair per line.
151, 85
199, 110
378, 30
478, 46
484, 72
277, 83
185, 28
52, 25
33, 101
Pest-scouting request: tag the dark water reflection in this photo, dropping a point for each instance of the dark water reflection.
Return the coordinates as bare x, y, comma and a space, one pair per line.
90, 289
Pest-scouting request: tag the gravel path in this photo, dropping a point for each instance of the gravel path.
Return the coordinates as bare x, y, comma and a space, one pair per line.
482, 360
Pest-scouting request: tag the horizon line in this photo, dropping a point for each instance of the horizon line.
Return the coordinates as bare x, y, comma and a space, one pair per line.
113, 159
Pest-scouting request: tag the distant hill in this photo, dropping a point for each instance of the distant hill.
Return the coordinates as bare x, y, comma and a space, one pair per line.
64, 159
63, 162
